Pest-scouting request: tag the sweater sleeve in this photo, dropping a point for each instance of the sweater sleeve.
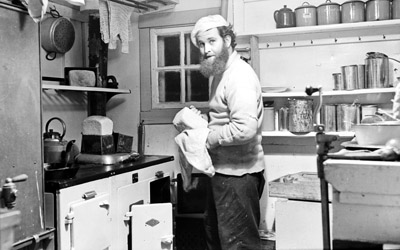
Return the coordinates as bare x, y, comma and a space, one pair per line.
242, 96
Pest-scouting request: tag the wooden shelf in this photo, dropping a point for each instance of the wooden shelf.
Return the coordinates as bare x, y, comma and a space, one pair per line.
85, 89
361, 29
330, 93
347, 134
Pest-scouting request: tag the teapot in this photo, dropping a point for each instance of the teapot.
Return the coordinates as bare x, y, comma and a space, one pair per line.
284, 18
56, 150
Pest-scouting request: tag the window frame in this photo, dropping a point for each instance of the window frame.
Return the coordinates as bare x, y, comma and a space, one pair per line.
148, 114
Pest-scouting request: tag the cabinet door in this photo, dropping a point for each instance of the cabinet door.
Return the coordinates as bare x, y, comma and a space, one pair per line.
152, 226
20, 122
89, 223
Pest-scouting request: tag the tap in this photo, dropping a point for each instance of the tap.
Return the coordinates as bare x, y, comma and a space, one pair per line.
8, 193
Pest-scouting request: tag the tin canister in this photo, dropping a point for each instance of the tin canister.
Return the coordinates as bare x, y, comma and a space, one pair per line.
353, 11
347, 116
328, 13
337, 81
377, 10
350, 77
306, 15
328, 117
361, 76
396, 9
283, 119
300, 115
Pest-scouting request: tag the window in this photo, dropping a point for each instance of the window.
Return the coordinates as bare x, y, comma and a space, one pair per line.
175, 77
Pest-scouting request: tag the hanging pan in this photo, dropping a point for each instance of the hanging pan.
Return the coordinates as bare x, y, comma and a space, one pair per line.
57, 35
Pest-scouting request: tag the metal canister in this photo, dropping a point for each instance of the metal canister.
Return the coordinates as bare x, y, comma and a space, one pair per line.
306, 15
337, 81
300, 115
377, 70
396, 9
328, 117
328, 13
377, 10
283, 118
353, 11
268, 119
361, 76
350, 77
347, 116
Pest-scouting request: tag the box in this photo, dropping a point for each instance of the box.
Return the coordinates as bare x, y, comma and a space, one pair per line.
98, 144
123, 143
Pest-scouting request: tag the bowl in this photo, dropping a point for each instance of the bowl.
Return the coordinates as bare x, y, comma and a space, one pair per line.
376, 133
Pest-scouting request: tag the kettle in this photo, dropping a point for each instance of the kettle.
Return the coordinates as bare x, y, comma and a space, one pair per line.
284, 18
56, 150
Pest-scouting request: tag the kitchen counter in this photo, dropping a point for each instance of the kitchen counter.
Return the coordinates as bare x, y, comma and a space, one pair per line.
91, 172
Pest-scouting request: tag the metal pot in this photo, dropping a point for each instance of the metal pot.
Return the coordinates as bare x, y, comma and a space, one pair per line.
353, 11
306, 15
378, 10
328, 13
284, 18
57, 35
57, 151
396, 9
377, 70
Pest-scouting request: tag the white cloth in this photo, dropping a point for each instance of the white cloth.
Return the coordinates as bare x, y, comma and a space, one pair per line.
37, 9
396, 102
206, 23
192, 146
115, 24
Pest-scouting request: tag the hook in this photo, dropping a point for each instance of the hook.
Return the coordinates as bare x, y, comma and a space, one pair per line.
280, 44
267, 45
359, 38
384, 37
335, 40
312, 42
294, 44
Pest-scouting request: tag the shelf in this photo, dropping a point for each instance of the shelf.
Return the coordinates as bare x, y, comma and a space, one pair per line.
347, 134
85, 89
326, 31
330, 93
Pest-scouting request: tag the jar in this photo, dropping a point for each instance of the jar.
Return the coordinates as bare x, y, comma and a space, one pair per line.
268, 123
328, 13
300, 115
396, 9
284, 18
306, 15
378, 10
353, 11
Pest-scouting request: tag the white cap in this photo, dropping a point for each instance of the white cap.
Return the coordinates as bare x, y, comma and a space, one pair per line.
206, 23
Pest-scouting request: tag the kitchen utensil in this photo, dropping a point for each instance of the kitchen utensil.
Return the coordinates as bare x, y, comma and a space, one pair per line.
376, 133
57, 35
306, 15
350, 77
353, 11
328, 13
395, 9
284, 18
377, 70
300, 115
56, 150
377, 10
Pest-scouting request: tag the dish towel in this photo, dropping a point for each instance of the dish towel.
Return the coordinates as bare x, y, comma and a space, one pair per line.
192, 146
115, 24
36, 9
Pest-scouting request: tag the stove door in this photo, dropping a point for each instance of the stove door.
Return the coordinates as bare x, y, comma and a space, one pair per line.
152, 226
89, 223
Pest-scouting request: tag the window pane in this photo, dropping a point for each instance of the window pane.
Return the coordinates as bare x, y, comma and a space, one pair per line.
169, 86
196, 86
192, 54
168, 50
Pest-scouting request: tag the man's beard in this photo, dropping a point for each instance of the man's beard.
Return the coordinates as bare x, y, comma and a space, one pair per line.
216, 67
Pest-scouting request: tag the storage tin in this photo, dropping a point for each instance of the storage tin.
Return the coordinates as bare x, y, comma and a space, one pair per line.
328, 13
328, 116
353, 11
301, 115
350, 77
347, 116
306, 15
377, 10
396, 9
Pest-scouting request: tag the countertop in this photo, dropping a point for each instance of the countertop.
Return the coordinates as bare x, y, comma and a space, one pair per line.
91, 172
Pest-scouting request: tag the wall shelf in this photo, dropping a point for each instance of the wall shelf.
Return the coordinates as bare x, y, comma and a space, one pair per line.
382, 29
85, 89
347, 134
330, 93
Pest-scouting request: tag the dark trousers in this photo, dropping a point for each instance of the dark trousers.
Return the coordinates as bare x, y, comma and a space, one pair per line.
232, 213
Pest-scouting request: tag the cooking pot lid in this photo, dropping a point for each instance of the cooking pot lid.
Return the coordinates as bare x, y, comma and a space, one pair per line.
305, 5
376, 55
328, 2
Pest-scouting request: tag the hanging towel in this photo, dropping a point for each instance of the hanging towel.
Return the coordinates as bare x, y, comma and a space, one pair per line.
192, 146
104, 21
120, 29
36, 9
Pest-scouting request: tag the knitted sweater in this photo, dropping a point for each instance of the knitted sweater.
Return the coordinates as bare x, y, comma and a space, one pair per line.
235, 118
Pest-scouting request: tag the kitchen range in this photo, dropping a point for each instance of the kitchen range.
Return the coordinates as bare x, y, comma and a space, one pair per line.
89, 159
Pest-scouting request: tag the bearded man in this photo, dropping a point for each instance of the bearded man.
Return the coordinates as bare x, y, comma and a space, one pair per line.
234, 143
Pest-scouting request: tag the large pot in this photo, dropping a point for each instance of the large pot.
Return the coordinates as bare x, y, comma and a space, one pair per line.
57, 35
376, 133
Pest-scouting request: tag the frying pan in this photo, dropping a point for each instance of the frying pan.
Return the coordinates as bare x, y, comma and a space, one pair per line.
57, 34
